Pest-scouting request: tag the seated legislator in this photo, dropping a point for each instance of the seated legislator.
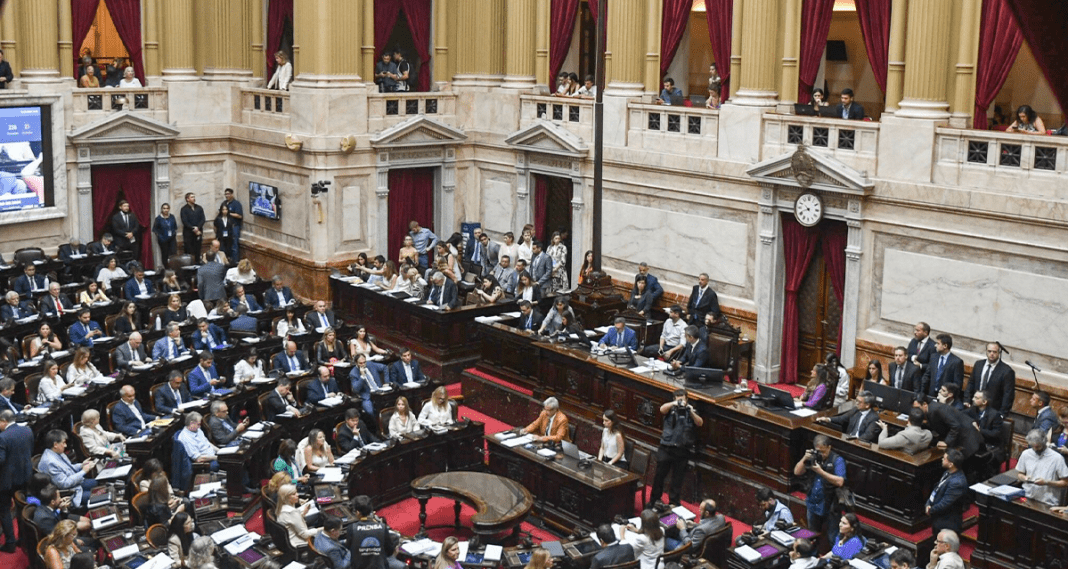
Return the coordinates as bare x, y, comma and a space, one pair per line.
290, 515
551, 323
170, 396
323, 387
129, 319
286, 462
97, 441
278, 296
93, 294
620, 336
52, 383
223, 430
63, 473
613, 552
14, 309
196, 443
243, 274
912, 439
1042, 470
529, 317
45, 341
774, 510
81, 371
280, 401
127, 416
102, 247
354, 433
849, 541
291, 360
710, 522
55, 303
240, 298
441, 292
819, 393
175, 312
30, 282
551, 424
694, 351
327, 544
138, 285
406, 369
204, 378
208, 336
403, 420
670, 344
84, 331
945, 553
329, 350
319, 318
365, 381
803, 556
130, 353
437, 411
860, 422
171, 345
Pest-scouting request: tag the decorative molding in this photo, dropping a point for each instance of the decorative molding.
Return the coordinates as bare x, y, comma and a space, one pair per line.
545, 137
123, 127
418, 131
811, 170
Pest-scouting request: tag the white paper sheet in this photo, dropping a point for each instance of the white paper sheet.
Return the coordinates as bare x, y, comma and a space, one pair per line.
804, 412
518, 441
331, 475
224, 535
117, 472
124, 552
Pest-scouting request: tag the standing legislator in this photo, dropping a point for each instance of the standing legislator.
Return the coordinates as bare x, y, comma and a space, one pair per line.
677, 445
192, 226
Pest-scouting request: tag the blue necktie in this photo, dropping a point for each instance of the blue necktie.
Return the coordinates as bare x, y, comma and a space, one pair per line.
938, 373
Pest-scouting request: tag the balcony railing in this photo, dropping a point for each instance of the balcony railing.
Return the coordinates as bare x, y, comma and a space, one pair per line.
679, 129
576, 115
387, 109
91, 104
265, 108
855, 143
1033, 163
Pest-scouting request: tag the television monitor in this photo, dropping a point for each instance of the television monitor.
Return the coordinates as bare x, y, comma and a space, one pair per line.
264, 200
25, 157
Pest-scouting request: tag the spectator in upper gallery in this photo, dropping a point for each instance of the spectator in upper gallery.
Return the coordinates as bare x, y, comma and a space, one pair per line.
715, 84
1027, 121
386, 73
588, 90
561, 84
6, 76
128, 80
670, 91
89, 80
848, 108
404, 70
283, 72
819, 98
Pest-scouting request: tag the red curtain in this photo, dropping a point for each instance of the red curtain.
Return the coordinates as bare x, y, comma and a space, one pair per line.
834, 236
999, 43
82, 14
673, 24
417, 13
1042, 25
799, 244
874, 17
541, 206
720, 14
386, 12
278, 12
593, 8
126, 15
562, 26
132, 182
815, 24
411, 197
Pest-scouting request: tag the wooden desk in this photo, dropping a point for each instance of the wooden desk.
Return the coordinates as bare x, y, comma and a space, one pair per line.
444, 342
500, 503
565, 494
1021, 533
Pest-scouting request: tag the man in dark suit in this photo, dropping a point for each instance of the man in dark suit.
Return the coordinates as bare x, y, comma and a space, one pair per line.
170, 396
291, 359
652, 284
127, 415
55, 303
237, 218
16, 450
529, 317
946, 503
703, 300
14, 309
224, 432
366, 380
406, 369
240, 298
192, 226
30, 282
441, 292
279, 295
280, 400
541, 266
952, 428
849, 109
319, 318
125, 227
211, 278
1045, 418
990, 423
996, 378
861, 421
620, 336
945, 367
7, 390
354, 433
130, 353
138, 285
903, 374
68, 251
485, 253
208, 336
710, 522
614, 553
921, 347
324, 386
694, 353
102, 247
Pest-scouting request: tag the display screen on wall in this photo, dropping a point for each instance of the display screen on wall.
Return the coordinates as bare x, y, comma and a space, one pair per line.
264, 200
25, 157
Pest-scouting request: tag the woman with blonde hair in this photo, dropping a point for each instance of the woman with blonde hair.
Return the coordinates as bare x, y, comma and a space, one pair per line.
317, 453
437, 411
97, 440
403, 420
540, 559
201, 554
448, 557
283, 72
81, 371
59, 545
329, 349
243, 273
292, 518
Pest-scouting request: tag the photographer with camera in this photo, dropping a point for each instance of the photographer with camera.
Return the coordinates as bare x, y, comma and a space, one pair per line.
828, 471
677, 443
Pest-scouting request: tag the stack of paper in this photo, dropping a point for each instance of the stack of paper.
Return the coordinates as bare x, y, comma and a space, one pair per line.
331, 475
205, 490
503, 435
117, 472
747, 553
161, 561
518, 441
511, 314
224, 535
349, 457
861, 564
418, 547
803, 412
191, 404
493, 553
683, 513
242, 543
229, 450
124, 552
74, 391
331, 402
546, 452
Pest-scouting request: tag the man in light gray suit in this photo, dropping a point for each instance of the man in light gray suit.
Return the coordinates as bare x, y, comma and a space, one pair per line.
488, 252
541, 266
505, 274
210, 278
912, 439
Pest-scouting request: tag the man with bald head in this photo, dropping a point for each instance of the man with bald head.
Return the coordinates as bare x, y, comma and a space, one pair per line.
291, 360
127, 415
220, 255
131, 353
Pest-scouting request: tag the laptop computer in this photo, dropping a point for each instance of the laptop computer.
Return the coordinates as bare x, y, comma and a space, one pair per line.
677, 100
701, 376
776, 397
804, 110
829, 112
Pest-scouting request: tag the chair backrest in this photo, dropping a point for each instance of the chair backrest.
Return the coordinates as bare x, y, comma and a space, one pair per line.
26, 341
111, 425
1007, 426
76, 434
152, 395
337, 431
279, 534
30, 536
634, 564
383, 419
723, 349
140, 504
20, 499
28, 255
261, 399
176, 262
639, 462
32, 382
157, 535
109, 323
302, 389
34, 461
272, 358
572, 429
153, 314
714, 546
318, 555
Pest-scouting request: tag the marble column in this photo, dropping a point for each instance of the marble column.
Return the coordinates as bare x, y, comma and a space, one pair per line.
9, 33
895, 73
519, 44
325, 52
443, 60
151, 55
791, 55
736, 47
771, 271
654, 17
522, 192
447, 201
625, 34
40, 56
541, 46
963, 105
176, 41
480, 43
851, 299
257, 39
759, 84
927, 47
84, 182
227, 50
578, 231
381, 232
368, 57
66, 42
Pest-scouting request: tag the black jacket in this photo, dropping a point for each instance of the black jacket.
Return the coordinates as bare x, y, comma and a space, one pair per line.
371, 543
869, 428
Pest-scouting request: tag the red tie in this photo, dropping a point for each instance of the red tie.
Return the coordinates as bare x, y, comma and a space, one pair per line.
59, 306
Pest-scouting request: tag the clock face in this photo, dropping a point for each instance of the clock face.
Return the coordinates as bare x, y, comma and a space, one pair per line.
808, 209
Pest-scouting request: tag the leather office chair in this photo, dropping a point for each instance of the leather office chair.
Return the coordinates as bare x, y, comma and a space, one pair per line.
261, 400
383, 419
76, 436
139, 503
337, 430
157, 536
152, 396
27, 255
109, 323
30, 537
302, 390
176, 262
638, 463
111, 425
715, 545
32, 382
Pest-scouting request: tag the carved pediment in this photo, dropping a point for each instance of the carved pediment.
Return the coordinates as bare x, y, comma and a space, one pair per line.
549, 138
418, 131
123, 126
807, 168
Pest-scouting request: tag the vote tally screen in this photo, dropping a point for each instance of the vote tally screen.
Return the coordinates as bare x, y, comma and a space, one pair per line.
22, 183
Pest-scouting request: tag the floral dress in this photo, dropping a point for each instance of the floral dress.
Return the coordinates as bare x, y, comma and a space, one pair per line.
558, 253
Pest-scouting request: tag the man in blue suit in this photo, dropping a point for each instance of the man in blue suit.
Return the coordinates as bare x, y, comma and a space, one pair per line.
30, 281
694, 353
290, 360
12, 309
406, 370
541, 266
323, 387
1045, 418
82, 332
441, 292
241, 298
208, 336
279, 295
138, 285
366, 380
652, 284
127, 415
170, 346
946, 503
175, 393
16, 450
65, 474
204, 378
945, 367
619, 336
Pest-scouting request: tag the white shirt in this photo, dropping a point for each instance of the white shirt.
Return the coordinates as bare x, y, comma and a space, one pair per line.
244, 371
131, 84
1049, 465
673, 332
433, 415
196, 444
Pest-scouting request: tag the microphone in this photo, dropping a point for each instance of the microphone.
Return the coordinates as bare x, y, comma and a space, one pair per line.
1003, 350
1033, 366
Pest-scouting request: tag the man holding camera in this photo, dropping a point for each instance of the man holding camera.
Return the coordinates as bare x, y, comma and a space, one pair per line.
677, 442
828, 473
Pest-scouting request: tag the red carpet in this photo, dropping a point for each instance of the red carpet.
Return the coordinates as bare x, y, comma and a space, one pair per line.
404, 517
